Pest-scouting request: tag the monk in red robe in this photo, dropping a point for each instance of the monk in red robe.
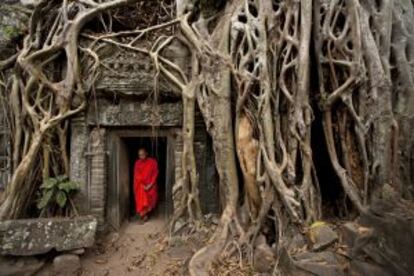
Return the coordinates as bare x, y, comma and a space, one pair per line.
145, 184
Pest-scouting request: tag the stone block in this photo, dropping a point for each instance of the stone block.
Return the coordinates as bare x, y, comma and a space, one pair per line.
349, 233
37, 236
319, 263
360, 268
20, 266
321, 236
66, 265
263, 258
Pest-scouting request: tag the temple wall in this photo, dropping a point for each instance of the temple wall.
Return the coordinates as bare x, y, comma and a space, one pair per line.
92, 135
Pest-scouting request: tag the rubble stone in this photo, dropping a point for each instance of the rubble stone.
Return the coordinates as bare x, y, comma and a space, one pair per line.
360, 268
22, 266
27, 237
263, 258
390, 239
319, 263
349, 232
66, 265
298, 241
322, 236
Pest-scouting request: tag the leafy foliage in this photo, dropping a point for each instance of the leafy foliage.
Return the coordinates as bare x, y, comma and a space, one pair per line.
11, 32
55, 195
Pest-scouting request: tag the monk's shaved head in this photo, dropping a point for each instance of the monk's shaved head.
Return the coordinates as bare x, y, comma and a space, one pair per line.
142, 153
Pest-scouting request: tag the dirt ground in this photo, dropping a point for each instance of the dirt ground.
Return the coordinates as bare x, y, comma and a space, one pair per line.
139, 249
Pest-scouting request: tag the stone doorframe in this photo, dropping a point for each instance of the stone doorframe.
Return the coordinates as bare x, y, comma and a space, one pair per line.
118, 183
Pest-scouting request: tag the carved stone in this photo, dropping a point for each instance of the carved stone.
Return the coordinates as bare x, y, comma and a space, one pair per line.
134, 113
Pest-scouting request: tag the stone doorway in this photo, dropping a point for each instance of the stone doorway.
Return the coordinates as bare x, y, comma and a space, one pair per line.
157, 149
122, 149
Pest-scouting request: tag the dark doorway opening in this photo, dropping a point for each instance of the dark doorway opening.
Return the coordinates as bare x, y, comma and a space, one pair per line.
334, 201
157, 148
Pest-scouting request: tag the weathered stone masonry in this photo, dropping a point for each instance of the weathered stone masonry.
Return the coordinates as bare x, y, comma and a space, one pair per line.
122, 107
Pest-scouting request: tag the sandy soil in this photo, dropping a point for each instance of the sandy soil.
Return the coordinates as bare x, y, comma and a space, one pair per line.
138, 250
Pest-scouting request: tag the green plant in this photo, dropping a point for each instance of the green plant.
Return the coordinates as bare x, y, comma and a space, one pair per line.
11, 32
56, 196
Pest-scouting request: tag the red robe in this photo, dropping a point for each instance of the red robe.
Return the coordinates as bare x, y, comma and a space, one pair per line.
145, 173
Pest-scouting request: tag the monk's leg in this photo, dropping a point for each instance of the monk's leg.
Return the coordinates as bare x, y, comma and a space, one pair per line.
152, 198
137, 198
